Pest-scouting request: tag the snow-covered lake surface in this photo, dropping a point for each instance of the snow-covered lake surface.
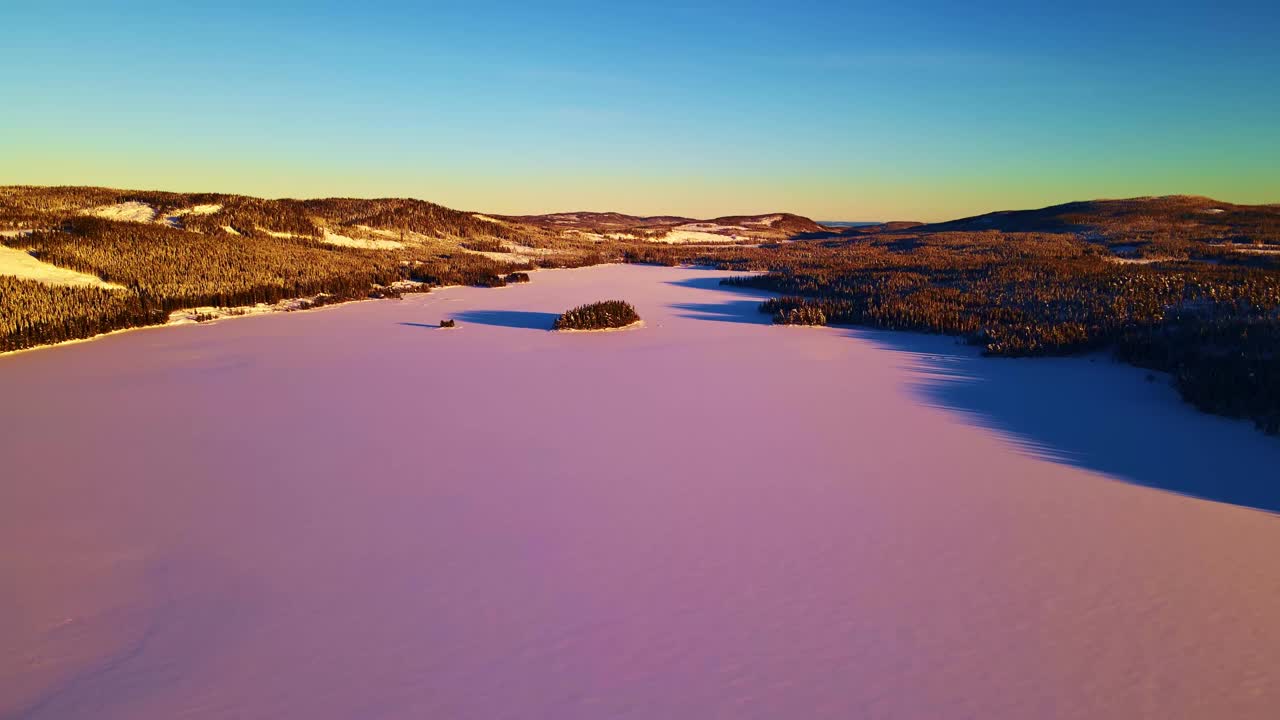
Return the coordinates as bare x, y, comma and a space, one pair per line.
350, 513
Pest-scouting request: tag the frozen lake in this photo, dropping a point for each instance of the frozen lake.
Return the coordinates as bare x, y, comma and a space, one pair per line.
350, 513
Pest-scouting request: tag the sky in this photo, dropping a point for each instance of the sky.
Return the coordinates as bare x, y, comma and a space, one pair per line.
834, 110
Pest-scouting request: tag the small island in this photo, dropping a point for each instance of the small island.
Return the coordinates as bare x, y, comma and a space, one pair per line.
603, 315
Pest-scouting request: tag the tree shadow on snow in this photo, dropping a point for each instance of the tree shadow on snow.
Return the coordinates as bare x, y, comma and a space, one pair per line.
525, 319
713, 283
1094, 413
739, 311
1087, 412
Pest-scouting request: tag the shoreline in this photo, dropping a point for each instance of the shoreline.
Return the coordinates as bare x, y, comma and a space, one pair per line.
274, 311
629, 326
171, 323
639, 324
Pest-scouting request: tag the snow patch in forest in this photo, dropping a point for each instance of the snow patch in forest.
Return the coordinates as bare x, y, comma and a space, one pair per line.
131, 211
333, 238
1250, 249
505, 257
19, 263
1137, 260
678, 236
174, 218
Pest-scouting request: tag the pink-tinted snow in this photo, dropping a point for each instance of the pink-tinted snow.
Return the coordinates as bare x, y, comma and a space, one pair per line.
350, 513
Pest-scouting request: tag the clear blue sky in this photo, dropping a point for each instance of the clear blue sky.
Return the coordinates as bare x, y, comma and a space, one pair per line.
837, 110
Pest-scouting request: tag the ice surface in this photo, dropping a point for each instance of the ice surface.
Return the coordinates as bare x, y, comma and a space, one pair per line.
350, 513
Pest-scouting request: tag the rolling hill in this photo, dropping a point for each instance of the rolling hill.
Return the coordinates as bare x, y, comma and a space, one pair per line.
1136, 220
1187, 285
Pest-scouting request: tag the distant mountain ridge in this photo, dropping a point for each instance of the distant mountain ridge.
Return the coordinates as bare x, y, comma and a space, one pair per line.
1132, 219
382, 222
674, 228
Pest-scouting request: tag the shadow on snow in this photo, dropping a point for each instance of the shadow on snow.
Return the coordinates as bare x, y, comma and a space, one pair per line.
526, 319
1097, 414
713, 283
739, 311
1086, 412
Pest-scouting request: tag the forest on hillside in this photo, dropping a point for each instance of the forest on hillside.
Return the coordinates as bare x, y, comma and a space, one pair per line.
1179, 302
235, 251
1186, 285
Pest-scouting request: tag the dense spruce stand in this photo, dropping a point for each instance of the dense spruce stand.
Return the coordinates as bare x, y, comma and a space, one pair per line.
601, 315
